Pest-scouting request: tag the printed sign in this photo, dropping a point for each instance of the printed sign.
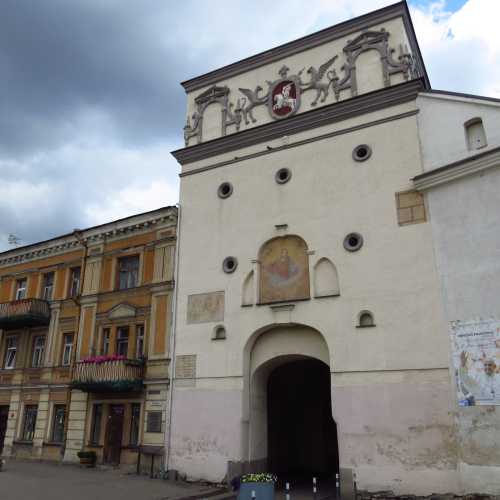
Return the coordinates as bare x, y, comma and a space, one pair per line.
476, 360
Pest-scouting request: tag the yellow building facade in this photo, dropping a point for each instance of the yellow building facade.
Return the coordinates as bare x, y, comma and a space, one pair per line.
85, 323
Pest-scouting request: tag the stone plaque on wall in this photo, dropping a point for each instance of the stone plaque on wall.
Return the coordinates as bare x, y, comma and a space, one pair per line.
205, 307
185, 366
153, 423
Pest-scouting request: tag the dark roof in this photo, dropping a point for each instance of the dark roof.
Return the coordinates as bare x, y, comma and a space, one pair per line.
462, 94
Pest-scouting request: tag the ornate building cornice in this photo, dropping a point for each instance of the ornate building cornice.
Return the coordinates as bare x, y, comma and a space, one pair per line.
458, 169
317, 117
91, 236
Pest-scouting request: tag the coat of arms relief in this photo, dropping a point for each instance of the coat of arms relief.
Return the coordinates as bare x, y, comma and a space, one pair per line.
283, 95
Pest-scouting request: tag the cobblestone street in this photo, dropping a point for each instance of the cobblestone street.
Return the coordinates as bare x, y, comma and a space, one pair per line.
42, 481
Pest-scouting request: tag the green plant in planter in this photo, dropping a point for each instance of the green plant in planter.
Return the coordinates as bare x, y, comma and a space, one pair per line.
259, 486
87, 458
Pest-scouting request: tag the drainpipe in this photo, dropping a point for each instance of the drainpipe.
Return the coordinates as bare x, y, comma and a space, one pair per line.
168, 437
78, 234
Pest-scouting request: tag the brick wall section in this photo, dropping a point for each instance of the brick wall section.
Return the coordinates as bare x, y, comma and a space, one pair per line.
410, 208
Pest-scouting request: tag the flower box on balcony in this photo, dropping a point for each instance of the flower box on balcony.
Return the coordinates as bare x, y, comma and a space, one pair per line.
108, 374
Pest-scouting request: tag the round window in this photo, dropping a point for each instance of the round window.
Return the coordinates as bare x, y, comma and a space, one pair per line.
225, 190
283, 175
361, 152
229, 264
353, 242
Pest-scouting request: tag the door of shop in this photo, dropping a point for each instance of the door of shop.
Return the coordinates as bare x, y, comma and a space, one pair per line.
114, 433
4, 416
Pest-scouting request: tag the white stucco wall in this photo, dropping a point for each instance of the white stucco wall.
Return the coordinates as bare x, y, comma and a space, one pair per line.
393, 276
464, 215
441, 127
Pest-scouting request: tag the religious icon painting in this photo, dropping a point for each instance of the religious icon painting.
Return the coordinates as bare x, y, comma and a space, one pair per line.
284, 270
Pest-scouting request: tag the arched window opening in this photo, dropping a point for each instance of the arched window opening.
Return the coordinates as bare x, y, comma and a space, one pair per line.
475, 134
326, 280
365, 319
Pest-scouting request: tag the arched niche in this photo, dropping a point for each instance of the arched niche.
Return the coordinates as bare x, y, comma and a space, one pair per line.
248, 290
475, 134
284, 270
326, 280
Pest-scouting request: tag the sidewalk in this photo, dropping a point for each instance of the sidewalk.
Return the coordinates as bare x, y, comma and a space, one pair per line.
42, 481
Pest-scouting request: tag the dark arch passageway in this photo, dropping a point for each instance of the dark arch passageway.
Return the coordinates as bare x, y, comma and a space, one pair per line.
302, 435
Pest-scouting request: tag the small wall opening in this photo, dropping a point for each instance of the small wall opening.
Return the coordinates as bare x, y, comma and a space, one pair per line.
365, 319
475, 134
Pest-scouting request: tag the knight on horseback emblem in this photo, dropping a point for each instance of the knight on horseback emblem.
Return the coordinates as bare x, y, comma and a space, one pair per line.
284, 95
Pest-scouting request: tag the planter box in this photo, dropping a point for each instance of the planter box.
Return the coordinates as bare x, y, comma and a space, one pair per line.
87, 458
263, 491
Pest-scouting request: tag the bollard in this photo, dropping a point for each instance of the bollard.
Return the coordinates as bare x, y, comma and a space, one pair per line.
314, 488
287, 491
253, 495
337, 485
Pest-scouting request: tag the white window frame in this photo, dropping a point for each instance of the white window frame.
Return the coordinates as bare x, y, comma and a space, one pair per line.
120, 340
9, 349
132, 278
21, 290
139, 341
74, 291
37, 356
106, 340
48, 290
67, 349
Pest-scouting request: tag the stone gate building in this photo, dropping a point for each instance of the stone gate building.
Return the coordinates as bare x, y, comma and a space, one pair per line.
310, 327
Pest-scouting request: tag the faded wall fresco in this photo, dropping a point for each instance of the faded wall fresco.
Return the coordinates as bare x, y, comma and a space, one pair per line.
284, 270
205, 307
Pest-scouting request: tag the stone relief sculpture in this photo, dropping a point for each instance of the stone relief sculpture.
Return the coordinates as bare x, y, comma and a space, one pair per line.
317, 75
283, 96
252, 96
374, 40
214, 94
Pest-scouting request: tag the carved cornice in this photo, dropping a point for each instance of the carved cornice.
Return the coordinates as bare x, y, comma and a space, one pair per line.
457, 170
324, 36
91, 236
336, 112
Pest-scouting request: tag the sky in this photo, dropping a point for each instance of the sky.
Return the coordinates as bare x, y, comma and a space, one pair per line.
91, 105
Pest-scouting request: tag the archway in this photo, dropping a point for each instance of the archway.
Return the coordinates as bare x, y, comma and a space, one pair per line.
302, 435
292, 431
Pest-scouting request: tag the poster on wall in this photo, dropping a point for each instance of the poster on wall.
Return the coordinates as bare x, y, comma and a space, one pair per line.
476, 360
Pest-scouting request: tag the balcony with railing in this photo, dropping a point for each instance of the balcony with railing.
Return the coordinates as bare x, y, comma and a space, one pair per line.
24, 313
108, 374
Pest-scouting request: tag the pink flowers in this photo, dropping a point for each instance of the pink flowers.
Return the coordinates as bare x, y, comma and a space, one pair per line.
103, 359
